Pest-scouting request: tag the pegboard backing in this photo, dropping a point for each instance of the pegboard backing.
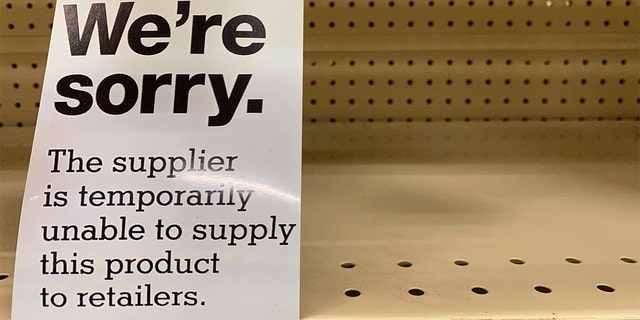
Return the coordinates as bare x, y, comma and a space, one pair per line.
471, 60
473, 84
421, 60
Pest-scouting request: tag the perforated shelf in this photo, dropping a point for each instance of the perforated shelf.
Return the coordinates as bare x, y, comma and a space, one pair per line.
462, 159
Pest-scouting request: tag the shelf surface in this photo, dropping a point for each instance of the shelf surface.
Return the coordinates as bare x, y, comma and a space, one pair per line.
463, 216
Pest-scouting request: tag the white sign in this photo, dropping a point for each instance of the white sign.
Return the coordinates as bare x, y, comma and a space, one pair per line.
164, 180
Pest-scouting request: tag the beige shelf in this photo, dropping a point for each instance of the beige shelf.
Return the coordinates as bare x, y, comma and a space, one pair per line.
480, 133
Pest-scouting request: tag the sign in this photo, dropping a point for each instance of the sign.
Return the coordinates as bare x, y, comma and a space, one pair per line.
164, 180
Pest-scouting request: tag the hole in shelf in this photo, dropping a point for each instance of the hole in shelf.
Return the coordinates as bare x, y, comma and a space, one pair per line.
405, 264
416, 292
542, 289
628, 260
3, 276
352, 293
461, 263
479, 290
517, 261
572, 260
605, 288
348, 265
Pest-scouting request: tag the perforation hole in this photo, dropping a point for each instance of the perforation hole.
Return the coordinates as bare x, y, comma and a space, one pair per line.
461, 263
479, 290
3, 276
416, 292
628, 260
352, 293
542, 289
605, 288
405, 264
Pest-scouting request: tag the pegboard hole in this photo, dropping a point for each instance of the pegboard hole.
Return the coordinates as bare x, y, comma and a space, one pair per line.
479, 290
461, 263
572, 260
542, 289
405, 264
352, 293
416, 292
628, 260
516, 260
3, 276
348, 265
605, 288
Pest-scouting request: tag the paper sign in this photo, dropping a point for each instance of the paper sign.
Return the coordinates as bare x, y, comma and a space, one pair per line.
164, 180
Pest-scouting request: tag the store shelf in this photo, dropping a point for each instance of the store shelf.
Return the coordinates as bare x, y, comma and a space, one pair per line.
492, 145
